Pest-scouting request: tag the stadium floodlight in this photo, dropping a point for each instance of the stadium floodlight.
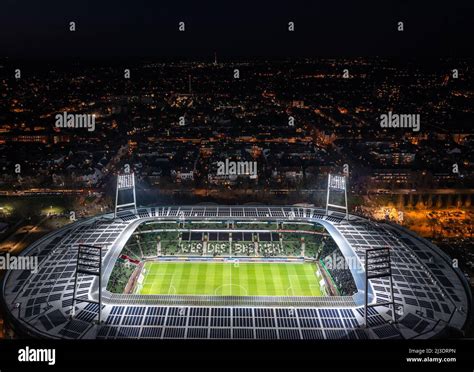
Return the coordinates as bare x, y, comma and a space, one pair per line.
89, 262
125, 182
378, 265
337, 183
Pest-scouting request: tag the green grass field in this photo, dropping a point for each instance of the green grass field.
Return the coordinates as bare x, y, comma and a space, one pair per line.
229, 279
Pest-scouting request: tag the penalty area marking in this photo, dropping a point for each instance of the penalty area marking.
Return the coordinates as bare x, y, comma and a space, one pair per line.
171, 287
316, 288
290, 291
230, 285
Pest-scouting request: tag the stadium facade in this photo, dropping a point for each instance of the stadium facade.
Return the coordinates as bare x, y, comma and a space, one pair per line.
432, 298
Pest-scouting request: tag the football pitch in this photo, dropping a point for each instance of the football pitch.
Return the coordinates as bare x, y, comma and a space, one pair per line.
229, 279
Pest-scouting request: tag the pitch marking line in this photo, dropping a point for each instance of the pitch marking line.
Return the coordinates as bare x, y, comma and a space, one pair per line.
154, 280
230, 285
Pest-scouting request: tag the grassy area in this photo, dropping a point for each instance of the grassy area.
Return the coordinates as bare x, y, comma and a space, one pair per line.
229, 279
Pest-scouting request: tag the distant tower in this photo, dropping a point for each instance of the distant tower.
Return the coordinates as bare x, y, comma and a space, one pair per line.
215, 59
190, 89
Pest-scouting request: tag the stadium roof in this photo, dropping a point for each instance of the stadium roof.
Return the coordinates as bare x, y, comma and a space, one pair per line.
432, 296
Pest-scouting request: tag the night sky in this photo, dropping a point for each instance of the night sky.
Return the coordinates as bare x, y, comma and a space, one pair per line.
141, 28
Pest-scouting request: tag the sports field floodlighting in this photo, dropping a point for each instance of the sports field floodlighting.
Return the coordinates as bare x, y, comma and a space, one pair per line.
125, 182
338, 184
378, 265
89, 263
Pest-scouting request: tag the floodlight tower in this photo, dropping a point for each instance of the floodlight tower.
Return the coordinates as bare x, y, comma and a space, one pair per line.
337, 183
125, 182
378, 265
89, 263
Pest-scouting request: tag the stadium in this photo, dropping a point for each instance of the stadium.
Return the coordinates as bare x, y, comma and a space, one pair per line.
236, 272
